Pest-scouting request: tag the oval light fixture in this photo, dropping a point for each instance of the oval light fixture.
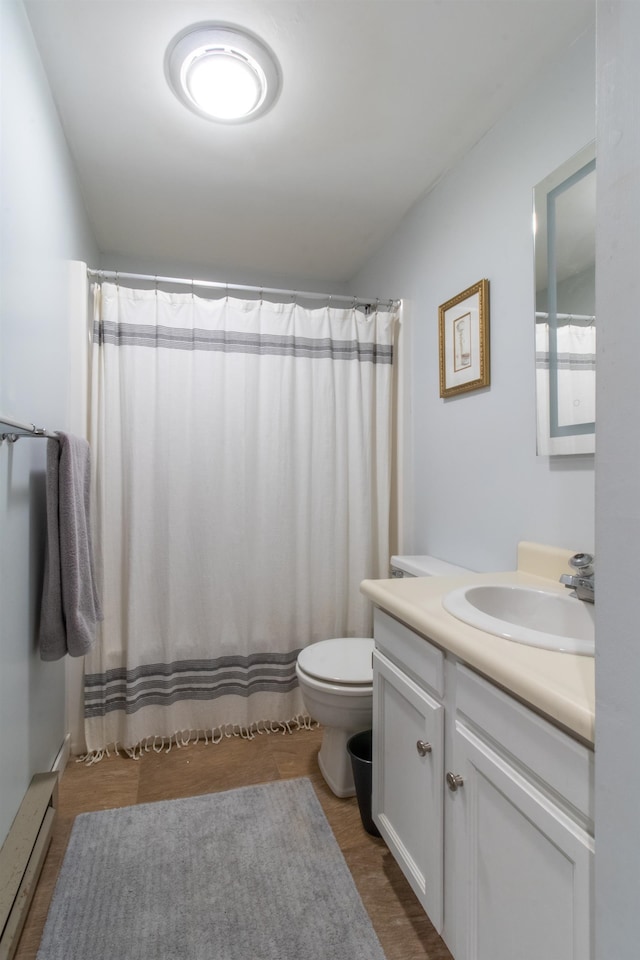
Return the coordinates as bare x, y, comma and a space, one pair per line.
222, 73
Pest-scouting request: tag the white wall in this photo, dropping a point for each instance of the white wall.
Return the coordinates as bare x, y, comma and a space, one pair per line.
476, 483
618, 484
43, 226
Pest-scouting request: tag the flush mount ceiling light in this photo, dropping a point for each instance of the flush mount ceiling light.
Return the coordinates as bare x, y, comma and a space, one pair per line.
222, 73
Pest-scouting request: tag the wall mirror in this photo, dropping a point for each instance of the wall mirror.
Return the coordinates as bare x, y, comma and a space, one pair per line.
565, 322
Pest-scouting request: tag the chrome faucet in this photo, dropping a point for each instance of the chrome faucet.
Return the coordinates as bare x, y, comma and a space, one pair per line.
583, 581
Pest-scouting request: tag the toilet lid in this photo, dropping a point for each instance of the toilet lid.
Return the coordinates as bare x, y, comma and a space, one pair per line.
341, 660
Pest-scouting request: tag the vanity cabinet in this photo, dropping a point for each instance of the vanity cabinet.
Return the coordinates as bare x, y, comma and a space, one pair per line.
493, 826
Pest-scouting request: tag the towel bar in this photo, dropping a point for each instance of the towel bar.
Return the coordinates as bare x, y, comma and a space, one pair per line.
16, 430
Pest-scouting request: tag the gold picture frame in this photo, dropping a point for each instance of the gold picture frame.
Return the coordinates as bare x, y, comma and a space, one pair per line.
463, 324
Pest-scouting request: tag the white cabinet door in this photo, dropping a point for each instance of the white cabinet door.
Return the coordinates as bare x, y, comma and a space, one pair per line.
523, 868
408, 780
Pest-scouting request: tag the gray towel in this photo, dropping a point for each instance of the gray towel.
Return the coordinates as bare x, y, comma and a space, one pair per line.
70, 603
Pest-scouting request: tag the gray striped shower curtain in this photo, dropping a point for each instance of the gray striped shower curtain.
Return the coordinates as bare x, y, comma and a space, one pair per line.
241, 487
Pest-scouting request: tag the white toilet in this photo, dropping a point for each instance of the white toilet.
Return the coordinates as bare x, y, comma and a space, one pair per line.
336, 681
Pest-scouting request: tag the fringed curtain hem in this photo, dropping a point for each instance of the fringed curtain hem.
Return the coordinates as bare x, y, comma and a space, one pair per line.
185, 738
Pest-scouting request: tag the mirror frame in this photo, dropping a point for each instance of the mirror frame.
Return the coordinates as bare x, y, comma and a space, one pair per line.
580, 438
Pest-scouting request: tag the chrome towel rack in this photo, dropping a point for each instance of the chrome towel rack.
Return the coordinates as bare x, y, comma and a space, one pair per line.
12, 430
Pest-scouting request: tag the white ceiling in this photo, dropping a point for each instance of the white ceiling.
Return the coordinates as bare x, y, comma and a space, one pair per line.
379, 98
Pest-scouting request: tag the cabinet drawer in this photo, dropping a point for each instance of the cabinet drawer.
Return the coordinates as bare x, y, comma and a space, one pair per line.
554, 758
419, 658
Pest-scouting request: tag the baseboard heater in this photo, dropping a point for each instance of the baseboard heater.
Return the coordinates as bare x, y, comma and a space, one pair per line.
22, 856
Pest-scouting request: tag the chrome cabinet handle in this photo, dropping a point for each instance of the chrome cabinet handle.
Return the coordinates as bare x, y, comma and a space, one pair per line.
454, 780
423, 748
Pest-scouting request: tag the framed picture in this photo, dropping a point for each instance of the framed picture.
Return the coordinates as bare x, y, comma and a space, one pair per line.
464, 341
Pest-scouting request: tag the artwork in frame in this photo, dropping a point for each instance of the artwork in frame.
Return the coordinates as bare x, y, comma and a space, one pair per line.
464, 341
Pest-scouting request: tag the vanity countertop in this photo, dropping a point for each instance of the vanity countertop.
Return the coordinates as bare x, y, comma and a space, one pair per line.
559, 685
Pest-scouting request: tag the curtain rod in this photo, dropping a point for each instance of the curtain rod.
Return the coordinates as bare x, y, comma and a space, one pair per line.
26, 430
587, 318
271, 291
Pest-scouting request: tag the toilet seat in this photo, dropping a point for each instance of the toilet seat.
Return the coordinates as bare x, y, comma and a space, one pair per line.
338, 689
341, 661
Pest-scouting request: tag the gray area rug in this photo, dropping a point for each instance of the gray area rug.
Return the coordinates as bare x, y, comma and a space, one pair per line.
250, 874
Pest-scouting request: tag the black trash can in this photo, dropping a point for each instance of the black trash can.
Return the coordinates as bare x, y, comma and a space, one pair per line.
359, 747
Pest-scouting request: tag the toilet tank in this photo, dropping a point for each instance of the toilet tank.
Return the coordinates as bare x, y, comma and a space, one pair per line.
424, 566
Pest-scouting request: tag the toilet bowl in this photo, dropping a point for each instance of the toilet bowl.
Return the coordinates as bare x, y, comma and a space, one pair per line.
336, 682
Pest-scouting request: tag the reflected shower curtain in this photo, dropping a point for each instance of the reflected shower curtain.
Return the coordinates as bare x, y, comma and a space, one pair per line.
242, 484
574, 368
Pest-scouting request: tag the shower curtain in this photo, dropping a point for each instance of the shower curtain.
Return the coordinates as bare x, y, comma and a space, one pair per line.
574, 369
242, 484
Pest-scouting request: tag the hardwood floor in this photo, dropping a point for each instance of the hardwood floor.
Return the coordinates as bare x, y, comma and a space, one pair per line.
400, 923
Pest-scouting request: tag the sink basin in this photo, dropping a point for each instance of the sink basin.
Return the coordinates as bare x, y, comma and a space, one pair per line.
538, 618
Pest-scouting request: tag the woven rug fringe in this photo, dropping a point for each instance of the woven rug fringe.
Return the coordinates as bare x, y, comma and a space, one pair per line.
185, 738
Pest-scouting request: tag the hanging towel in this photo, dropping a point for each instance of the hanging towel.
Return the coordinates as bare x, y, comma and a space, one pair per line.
70, 603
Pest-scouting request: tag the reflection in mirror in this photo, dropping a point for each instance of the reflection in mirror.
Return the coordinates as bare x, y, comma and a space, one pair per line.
565, 247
